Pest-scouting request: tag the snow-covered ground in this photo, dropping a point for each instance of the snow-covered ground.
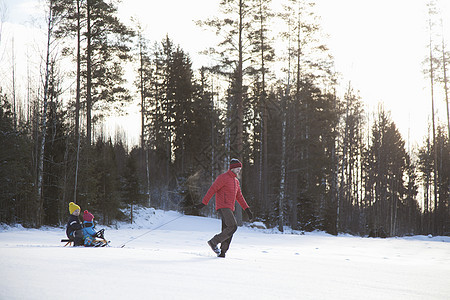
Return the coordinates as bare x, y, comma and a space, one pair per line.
174, 262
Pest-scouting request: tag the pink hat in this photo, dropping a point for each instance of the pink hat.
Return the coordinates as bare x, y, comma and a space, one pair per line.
87, 216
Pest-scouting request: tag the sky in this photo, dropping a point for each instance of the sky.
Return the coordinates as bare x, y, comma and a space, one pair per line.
378, 46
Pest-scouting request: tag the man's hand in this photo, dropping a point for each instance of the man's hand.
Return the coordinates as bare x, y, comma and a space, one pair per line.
199, 206
249, 214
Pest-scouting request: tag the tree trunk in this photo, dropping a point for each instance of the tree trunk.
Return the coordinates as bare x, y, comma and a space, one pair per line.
263, 186
295, 121
89, 77
40, 196
77, 101
144, 147
149, 198
444, 66
334, 178
14, 85
239, 100
434, 130
282, 195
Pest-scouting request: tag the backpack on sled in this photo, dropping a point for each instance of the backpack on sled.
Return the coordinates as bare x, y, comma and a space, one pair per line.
97, 240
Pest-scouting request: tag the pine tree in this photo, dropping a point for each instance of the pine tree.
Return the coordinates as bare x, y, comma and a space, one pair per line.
143, 83
263, 54
17, 187
442, 213
234, 27
108, 46
425, 166
387, 162
182, 89
351, 145
307, 64
432, 11
105, 197
54, 16
55, 154
104, 50
130, 187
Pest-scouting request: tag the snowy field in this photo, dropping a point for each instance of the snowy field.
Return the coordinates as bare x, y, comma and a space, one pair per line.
174, 262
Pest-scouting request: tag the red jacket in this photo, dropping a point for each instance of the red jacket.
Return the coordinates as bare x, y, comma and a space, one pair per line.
227, 190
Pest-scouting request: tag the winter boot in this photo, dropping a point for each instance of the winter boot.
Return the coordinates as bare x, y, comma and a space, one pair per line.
214, 247
222, 254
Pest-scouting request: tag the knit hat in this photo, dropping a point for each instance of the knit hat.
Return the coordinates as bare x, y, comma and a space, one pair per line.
87, 216
235, 163
73, 207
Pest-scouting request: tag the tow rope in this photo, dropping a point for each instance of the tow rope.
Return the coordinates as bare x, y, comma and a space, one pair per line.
153, 229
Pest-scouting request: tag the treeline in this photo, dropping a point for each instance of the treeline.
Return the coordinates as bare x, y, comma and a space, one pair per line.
312, 160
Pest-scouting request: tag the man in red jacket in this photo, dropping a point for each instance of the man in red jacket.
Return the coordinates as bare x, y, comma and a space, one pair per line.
227, 190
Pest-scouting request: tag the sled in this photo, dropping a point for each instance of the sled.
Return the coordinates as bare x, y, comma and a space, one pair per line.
98, 241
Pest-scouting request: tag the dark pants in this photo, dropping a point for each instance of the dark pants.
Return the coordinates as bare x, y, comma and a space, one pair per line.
229, 227
77, 237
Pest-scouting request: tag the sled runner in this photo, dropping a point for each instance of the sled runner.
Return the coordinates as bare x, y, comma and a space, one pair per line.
97, 242
67, 241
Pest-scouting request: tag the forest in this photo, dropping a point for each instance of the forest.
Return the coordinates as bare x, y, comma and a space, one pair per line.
311, 160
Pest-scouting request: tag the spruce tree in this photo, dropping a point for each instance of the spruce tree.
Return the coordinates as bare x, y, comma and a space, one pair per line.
17, 187
387, 167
